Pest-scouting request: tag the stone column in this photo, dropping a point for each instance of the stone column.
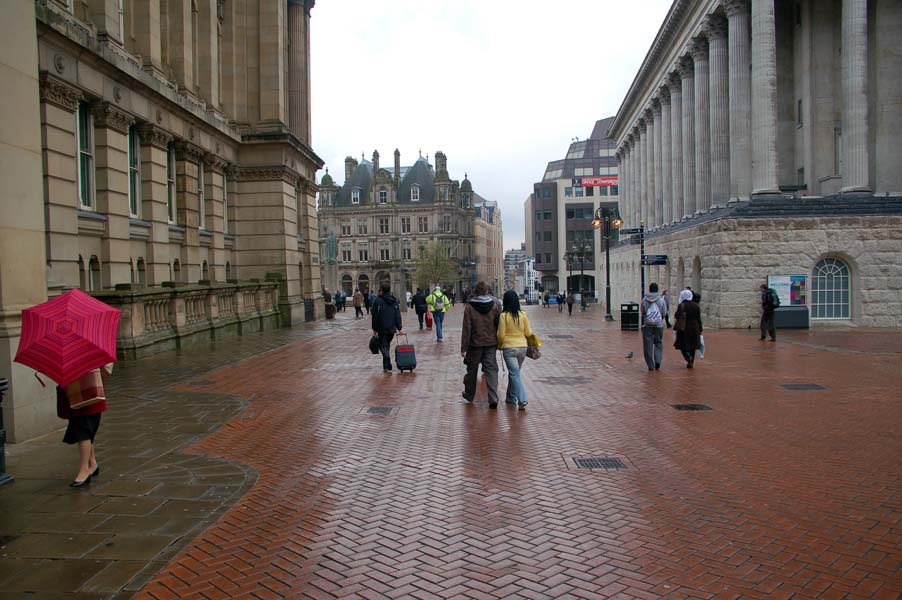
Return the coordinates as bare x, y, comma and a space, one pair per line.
111, 153
214, 195
676, 147
687, 76
188, 156
666, 159
740, 98
298, 115
154, 143
147, 36
764, 99
272, 67
699, 49
648, 209
716, 28
855, 176
643, 171
657, 208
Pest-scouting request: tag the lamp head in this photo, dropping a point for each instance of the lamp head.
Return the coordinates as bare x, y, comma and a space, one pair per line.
617, 223
596, 223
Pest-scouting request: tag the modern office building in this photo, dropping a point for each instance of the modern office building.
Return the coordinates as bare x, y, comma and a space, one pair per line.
156, 154
374, 225
512, 259
759, 140
560, 210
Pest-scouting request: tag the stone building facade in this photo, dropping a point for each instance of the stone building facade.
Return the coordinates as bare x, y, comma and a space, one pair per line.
559, 214
759, 138
163, 159
374, 224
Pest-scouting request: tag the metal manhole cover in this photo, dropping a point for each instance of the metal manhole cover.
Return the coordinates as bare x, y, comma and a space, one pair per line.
691, 407
803, 386
379, 410
575, 380
561, 337
596, 462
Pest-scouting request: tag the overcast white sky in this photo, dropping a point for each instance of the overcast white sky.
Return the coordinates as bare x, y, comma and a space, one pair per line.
501, 86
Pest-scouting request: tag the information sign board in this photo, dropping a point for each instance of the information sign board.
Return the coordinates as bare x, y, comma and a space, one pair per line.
791, 289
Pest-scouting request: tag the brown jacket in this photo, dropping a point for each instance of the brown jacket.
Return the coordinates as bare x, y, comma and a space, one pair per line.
480, 325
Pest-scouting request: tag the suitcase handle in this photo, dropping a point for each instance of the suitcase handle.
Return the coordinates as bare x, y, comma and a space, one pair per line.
399, 336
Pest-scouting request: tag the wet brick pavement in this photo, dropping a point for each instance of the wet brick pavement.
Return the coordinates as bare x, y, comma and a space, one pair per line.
776, 492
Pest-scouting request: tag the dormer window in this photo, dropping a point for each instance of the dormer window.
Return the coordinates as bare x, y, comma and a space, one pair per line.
383, 197
415, 193
355, 196
466, 200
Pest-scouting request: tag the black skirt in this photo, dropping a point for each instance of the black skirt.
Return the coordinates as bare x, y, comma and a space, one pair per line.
82, 428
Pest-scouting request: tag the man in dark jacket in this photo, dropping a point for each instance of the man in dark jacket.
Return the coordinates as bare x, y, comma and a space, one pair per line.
479, 342
386, 314
419, 305
768, 306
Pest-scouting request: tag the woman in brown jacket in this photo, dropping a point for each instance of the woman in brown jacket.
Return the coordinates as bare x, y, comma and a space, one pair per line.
688, 325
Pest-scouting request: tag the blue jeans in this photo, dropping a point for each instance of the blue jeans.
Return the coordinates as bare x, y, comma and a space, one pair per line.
513, 358
439, 316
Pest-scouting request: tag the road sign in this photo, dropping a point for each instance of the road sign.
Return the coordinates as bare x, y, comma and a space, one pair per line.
654, 259
630, 231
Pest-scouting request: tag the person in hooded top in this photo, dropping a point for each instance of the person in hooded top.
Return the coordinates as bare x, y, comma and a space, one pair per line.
386, 313
688, 326
478, 343
652, 310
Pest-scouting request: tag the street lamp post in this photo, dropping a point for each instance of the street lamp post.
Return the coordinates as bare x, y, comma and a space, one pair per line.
607, 217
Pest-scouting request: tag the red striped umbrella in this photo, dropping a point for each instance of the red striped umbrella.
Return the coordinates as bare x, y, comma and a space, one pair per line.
68, 336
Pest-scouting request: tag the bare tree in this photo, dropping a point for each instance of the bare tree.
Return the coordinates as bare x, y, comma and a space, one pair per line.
434, 266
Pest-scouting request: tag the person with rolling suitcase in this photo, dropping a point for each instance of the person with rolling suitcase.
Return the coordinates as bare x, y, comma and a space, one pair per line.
386, 314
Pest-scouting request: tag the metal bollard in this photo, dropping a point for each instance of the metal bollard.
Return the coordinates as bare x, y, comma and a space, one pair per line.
4, 477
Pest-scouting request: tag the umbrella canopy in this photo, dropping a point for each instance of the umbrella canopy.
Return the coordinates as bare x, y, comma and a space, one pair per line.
68, 336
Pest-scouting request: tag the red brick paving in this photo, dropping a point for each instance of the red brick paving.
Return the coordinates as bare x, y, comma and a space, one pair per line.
773, 494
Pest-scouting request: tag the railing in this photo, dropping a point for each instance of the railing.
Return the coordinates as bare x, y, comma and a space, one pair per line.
158, 319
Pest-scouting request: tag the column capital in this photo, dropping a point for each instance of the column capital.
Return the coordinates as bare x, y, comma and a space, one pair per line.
664, 95
215, 163
656, 107
698, 48
641, 125
736, 7
715, 27
307, 4
686, 67
649, 115
188, 151
59, 93
674, 83
151, 135
112, 117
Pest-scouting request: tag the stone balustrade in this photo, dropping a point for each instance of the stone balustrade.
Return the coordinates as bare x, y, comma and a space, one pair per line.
167, 318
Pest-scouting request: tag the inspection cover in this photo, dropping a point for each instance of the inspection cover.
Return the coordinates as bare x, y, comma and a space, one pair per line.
595, 462
561, 337
802, 386
691, 407
379, 410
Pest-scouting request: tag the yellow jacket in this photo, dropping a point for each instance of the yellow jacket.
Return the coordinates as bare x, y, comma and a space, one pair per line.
512, 333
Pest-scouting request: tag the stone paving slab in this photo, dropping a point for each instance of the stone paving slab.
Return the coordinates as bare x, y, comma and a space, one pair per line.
774, 493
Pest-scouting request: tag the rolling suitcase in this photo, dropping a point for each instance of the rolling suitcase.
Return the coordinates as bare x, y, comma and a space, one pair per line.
429, 320
405, 355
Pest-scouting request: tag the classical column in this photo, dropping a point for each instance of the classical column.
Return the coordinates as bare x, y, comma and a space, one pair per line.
643, 171
215, 206
740, 98
154, 207
298, 88
649, 216
634, 191
676, 146
687, 77
657, 208
666, 159
716, 28
188, 156
764, 100
699, 49
855, 96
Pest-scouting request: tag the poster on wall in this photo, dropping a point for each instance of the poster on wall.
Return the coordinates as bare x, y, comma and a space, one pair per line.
791, 289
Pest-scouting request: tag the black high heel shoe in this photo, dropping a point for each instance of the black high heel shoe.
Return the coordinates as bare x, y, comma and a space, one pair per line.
80, 484
96, 472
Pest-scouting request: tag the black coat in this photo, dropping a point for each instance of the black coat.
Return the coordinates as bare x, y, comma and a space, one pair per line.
689, 326
386, 313
419, 303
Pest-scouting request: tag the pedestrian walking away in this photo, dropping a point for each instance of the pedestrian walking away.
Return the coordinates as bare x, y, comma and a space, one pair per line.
386, 317
513, 329
438, 304
651, 314
687, 323
666, 297
419, 305
769, 303
571, 300
366, 300
560, 302
358, 305
478, 343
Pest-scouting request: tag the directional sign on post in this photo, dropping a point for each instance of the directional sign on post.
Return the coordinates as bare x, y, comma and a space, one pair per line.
650, 260
636, 231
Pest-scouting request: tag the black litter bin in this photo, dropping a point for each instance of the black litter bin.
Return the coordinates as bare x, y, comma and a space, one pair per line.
629, 317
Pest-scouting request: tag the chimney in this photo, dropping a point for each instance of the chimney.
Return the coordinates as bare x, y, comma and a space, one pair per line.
375, 161
350, 163
397, 166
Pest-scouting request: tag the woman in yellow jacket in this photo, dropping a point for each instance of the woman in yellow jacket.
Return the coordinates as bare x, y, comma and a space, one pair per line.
513, 328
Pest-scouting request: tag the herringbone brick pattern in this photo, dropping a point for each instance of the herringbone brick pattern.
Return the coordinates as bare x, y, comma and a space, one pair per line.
772, 494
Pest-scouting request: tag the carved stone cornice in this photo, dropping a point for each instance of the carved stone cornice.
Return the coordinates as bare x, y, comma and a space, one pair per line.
736, 7
57, 92
686, 68
188, 151
698, 48
308, 187
715, 27
216, 164
112, 117
151, 135
273, 173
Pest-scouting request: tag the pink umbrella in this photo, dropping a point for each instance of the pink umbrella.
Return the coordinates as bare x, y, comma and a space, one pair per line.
68, 336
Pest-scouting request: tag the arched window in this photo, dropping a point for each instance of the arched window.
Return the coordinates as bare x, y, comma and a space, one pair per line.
94, 274
830, 290
176, 270
228, 271
82, 274
363, 283
347, 284
204, 271
131, 270
142, 273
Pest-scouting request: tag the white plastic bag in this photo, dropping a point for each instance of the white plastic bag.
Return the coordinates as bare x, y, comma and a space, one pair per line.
701, 344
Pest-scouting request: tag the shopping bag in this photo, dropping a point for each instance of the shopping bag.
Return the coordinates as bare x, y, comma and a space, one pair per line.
86, 390
701, 346
428, 320
374, 344
533, 343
